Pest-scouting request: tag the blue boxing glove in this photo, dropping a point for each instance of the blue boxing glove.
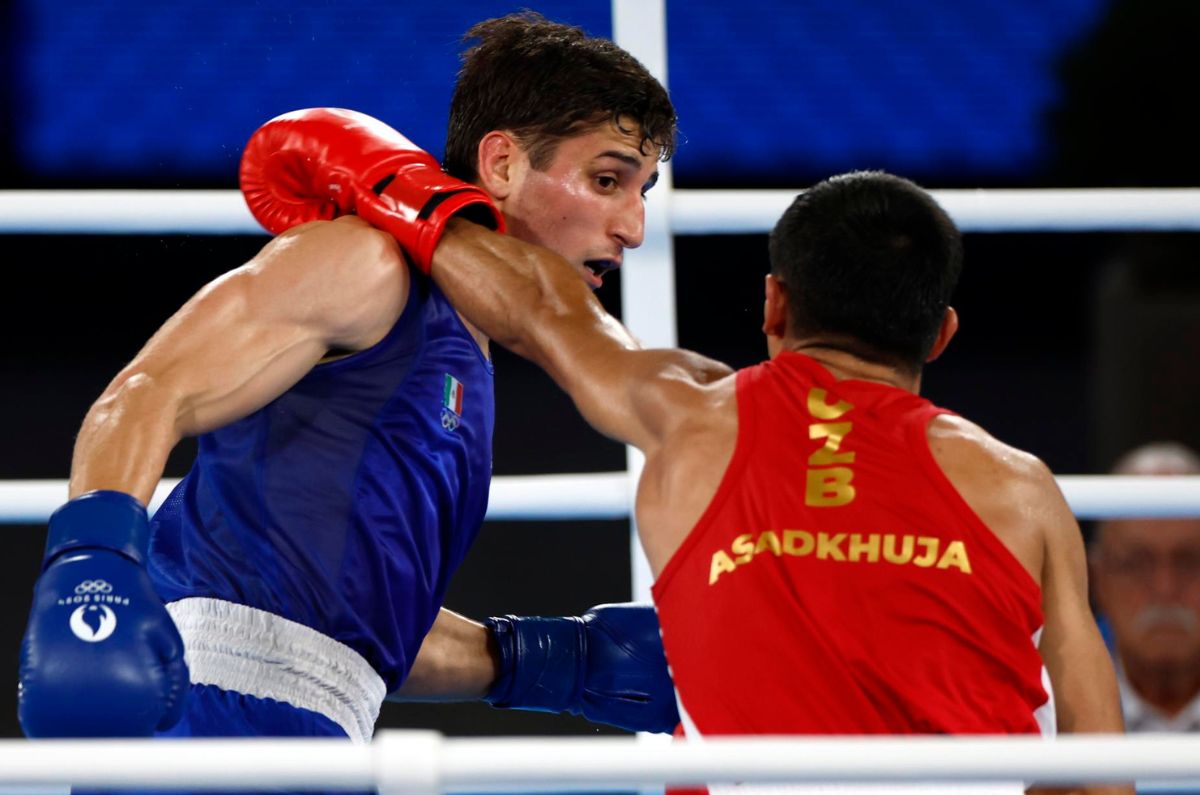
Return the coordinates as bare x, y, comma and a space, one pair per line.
101, 656
607, 666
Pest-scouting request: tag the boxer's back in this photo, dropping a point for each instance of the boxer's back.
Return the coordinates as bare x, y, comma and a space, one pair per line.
838, 583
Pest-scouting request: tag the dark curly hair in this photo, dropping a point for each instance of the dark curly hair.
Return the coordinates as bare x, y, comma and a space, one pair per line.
545, 81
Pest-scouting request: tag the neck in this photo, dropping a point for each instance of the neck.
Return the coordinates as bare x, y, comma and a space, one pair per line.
845, 363
1168, 687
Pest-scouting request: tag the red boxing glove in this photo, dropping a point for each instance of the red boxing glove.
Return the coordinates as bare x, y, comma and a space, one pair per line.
320, 163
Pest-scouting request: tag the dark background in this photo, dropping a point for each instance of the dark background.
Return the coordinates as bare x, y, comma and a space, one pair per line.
1074, 347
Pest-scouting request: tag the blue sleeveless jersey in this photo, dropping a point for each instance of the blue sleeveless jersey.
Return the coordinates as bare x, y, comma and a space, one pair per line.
348, 502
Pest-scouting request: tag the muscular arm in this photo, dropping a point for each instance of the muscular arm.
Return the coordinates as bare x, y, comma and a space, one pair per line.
1081, 671
1074, 653
531, 301
239, 343
1017, 497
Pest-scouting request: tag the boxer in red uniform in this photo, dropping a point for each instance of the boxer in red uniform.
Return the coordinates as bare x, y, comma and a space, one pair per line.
834, 554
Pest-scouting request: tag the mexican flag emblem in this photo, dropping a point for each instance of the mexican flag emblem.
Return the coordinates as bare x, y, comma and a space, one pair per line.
452, 394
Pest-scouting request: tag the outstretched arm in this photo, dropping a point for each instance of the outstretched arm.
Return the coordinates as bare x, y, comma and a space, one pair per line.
531, 301
238, 344
606, 665
527, 298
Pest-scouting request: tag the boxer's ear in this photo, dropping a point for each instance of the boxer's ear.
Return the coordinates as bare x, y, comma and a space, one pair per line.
499, 163
775, 308
946, 332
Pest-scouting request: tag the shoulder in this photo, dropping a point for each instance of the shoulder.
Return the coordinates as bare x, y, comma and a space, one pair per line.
697, 439
1012, 491
344, 275
696, 400
964, 447
346, 246
678, 389
686, 371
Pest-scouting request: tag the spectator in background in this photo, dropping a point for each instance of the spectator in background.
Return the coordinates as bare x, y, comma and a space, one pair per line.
1146, 583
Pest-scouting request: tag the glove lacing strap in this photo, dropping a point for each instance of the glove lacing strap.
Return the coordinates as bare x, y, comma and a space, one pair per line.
246, 650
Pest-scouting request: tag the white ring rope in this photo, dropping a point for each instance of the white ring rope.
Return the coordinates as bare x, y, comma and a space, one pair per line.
423, 763
607, 495
529, 497
705, 212
692, 212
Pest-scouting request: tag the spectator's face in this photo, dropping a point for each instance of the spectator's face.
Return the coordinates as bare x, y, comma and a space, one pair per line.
1146, 578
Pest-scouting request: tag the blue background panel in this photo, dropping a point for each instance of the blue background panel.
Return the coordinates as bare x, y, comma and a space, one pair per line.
768, 92
924, 87
172, 91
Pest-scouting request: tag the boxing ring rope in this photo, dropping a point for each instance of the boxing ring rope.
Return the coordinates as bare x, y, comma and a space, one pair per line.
690, 212
608, 495
424, 763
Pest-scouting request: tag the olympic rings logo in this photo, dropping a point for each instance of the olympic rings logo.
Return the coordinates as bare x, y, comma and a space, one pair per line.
93, 586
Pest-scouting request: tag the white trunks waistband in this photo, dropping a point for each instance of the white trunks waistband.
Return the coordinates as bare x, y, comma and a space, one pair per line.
251, 651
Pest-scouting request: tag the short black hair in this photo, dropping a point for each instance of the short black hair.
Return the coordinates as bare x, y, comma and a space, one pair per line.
869, 258
545, 81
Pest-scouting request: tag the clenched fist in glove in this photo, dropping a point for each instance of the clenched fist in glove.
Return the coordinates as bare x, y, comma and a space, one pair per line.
607, 665
101, 656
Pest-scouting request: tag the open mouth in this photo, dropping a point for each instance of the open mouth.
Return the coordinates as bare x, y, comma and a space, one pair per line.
596, 268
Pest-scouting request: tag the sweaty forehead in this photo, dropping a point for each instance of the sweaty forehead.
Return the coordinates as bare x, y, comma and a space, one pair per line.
626, 139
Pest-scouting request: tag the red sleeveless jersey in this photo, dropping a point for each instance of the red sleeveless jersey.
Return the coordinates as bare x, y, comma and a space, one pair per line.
838, 584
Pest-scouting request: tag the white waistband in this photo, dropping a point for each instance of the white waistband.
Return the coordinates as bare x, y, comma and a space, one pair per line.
251, 651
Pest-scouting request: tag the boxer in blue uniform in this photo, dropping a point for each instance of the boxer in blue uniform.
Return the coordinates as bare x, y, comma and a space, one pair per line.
344, 414
337, 511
